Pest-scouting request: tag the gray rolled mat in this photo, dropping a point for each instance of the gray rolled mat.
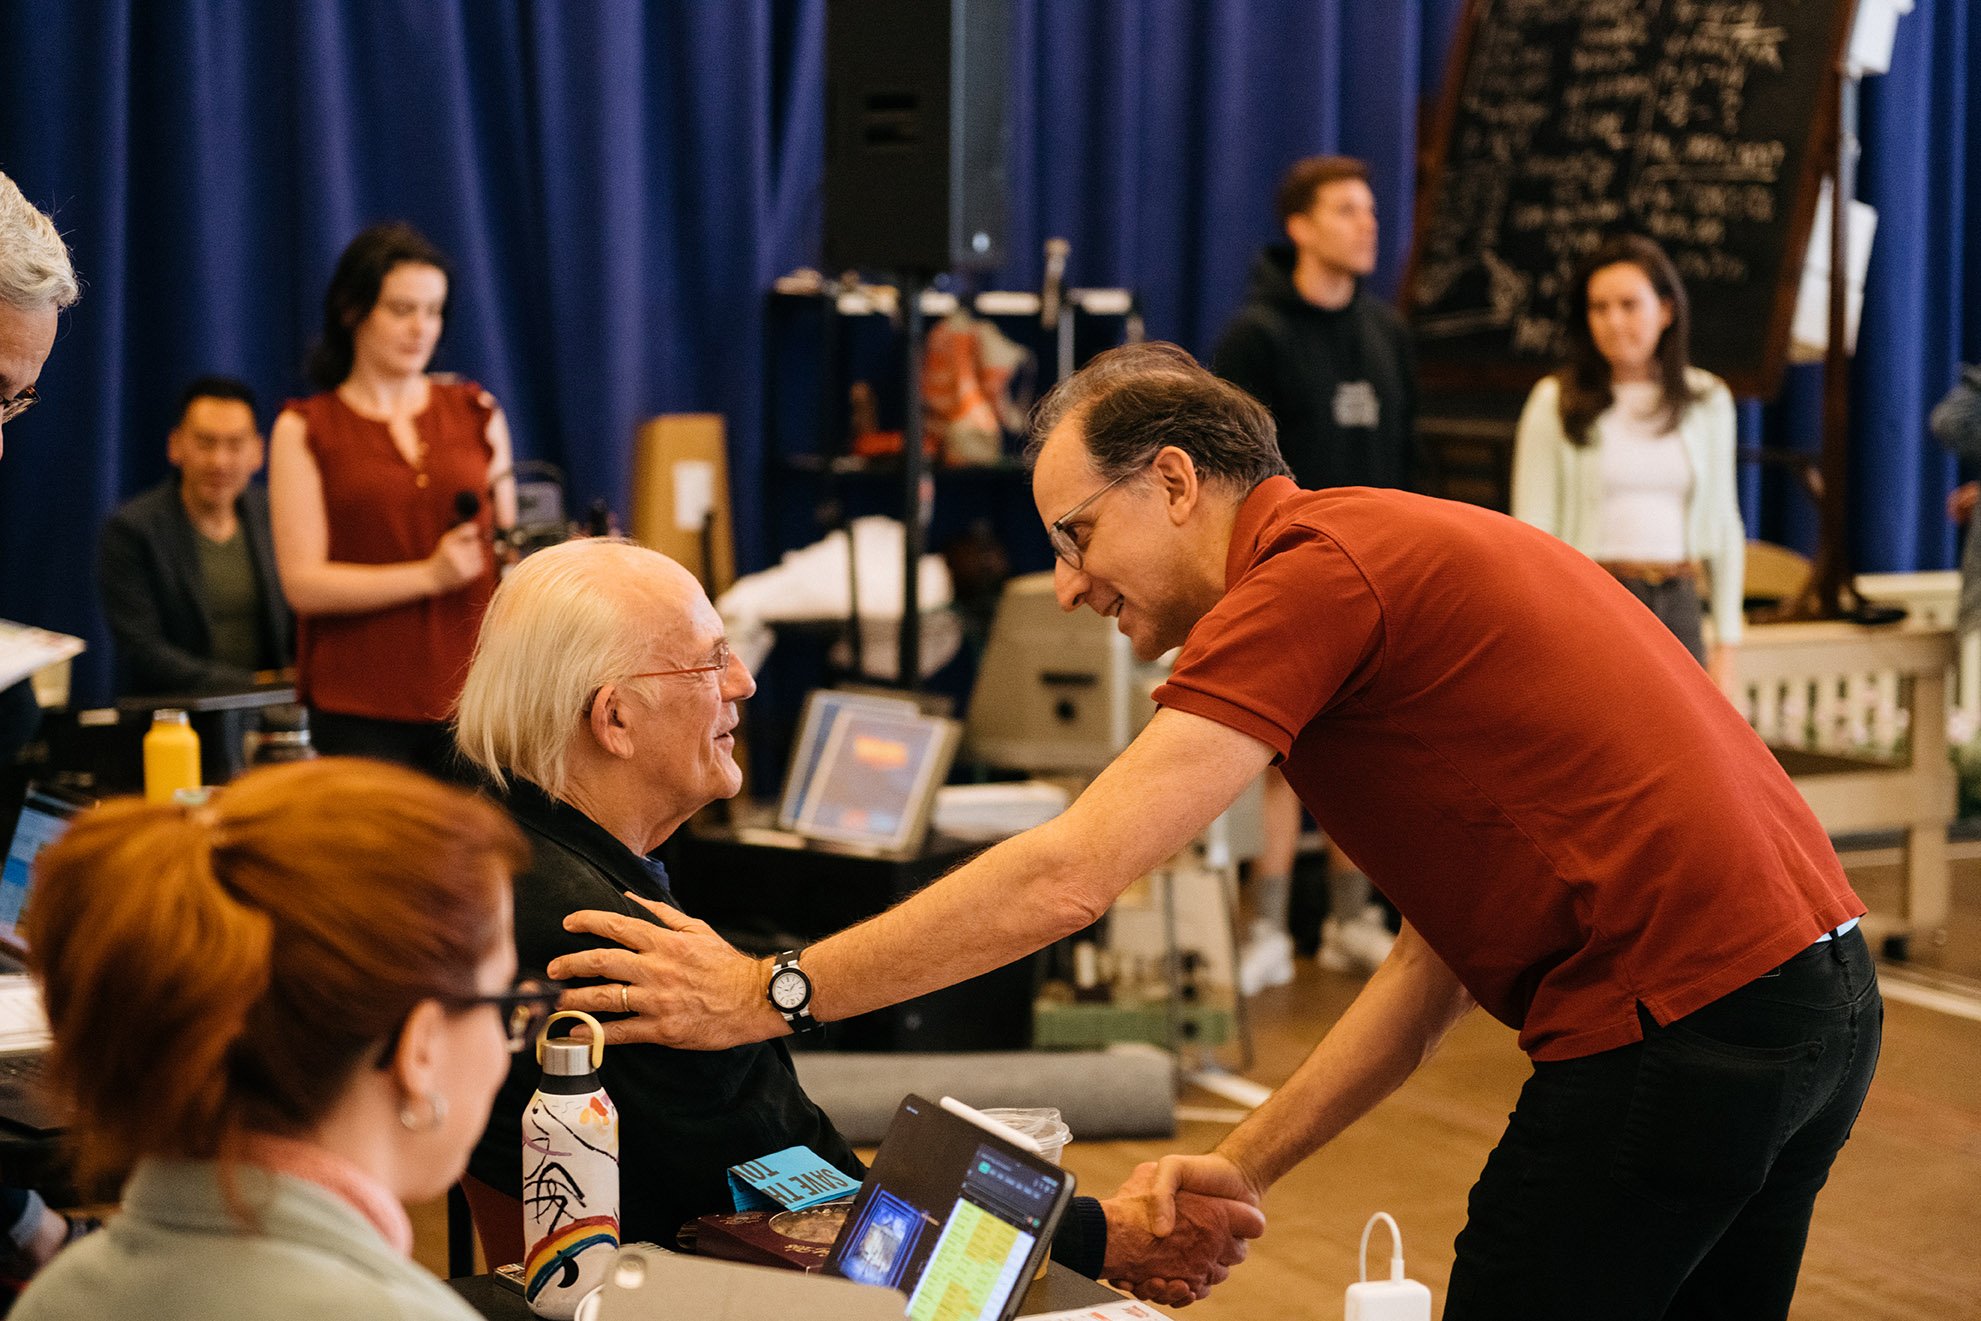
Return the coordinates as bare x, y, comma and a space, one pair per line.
1125, 1091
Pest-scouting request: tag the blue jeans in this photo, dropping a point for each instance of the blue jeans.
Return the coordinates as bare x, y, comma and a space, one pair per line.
1675, 1178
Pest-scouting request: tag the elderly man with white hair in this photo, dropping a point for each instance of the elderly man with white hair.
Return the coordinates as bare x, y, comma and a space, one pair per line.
602, 704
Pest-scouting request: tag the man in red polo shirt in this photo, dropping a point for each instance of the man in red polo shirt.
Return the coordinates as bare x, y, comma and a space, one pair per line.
1583, 837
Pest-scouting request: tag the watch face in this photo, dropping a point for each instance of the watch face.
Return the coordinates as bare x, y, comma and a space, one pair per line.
789, 990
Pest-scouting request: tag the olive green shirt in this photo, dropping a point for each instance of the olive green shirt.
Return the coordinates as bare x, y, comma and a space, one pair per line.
233, 599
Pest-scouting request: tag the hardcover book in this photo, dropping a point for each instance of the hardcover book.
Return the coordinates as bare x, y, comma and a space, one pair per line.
795, 1240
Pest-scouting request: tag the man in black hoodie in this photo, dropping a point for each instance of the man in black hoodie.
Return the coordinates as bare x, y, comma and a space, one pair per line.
1335, 367
1333, 364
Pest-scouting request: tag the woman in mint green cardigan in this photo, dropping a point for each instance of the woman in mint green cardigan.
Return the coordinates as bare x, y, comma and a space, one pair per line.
1627, 452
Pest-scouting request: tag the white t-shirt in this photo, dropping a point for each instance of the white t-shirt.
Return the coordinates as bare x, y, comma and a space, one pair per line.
1646, 480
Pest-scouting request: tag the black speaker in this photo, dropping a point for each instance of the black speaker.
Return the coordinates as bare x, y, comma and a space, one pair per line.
917, 134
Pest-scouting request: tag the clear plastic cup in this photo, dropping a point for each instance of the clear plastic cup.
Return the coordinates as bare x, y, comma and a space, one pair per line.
1042, 1124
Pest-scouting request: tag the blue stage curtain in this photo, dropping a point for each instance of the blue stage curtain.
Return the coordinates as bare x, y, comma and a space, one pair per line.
1921, 170
614, 182
1151, 135
1921, 126
618, 182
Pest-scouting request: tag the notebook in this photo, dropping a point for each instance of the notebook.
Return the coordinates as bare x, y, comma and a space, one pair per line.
957, 1212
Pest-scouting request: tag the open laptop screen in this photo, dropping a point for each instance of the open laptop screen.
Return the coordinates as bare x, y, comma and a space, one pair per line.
42, 819
952, 1215
822, 711
876, 778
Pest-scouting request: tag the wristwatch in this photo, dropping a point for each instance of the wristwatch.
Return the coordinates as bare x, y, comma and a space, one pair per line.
790, 991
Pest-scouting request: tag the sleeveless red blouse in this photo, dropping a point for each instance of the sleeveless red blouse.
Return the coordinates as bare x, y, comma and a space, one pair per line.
406, 662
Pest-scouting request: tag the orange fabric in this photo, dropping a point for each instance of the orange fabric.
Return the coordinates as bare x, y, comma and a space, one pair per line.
407, 662
1525, 761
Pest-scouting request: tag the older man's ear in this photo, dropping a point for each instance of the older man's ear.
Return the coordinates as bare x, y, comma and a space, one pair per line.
606, 718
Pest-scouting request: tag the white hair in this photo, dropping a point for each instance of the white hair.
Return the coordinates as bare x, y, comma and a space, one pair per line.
34, 262
555, 633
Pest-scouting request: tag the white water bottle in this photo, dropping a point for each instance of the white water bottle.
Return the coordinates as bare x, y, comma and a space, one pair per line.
570, 1174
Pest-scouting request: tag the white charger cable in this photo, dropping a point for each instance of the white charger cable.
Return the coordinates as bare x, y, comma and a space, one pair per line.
1394, 1299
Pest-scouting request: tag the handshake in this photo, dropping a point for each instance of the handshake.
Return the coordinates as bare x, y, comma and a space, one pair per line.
1178, 1226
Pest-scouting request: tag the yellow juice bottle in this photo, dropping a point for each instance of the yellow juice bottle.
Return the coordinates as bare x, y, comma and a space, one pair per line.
171, 756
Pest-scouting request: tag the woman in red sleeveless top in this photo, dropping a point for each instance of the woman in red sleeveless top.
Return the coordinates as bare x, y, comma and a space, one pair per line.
385, 490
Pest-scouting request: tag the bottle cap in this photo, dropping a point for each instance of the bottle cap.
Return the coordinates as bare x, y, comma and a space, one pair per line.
592, 1052
169, 715
567, 1057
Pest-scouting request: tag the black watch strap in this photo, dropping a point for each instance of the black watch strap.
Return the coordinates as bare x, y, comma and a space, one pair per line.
799, 1017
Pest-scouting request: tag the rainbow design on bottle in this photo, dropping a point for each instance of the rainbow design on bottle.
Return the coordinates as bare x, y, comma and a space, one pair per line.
554, 1260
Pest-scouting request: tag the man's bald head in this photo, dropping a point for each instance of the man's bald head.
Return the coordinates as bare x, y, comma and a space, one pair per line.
564, 623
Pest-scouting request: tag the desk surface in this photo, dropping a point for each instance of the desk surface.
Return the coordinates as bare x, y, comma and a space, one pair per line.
241, 699
1060, 1291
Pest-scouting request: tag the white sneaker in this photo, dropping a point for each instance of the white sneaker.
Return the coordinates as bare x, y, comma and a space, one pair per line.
1333, 955
1265, 959
1358, 945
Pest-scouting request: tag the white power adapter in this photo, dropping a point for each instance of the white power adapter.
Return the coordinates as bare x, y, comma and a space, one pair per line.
1394, 1299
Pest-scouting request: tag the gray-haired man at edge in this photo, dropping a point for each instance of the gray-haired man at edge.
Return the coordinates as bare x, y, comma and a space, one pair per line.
36, 283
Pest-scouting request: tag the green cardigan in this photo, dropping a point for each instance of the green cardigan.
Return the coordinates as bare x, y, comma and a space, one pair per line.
1557, 487
176, 1253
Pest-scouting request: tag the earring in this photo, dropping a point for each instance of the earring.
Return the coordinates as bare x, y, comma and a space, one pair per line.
436, 1114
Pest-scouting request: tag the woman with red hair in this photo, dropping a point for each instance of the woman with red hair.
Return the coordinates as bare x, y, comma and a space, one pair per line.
282, 1015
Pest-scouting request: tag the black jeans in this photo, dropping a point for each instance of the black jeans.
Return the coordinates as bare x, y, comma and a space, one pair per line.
1675, 1177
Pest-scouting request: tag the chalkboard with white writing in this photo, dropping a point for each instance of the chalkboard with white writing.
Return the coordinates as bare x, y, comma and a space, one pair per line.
1703, 123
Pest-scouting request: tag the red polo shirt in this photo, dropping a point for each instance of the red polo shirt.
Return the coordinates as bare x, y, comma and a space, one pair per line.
1526, 762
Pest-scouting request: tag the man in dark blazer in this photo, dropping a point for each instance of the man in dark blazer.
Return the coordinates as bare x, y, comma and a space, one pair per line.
187, 570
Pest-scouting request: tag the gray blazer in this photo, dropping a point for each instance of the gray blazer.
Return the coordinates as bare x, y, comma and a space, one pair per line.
176, 1253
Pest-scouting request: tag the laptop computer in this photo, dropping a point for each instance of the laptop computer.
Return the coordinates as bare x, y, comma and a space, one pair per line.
957, 1212
44, 815
822, 710
870, 784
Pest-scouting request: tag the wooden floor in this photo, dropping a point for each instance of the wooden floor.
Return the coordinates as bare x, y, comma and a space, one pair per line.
1897, 1233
